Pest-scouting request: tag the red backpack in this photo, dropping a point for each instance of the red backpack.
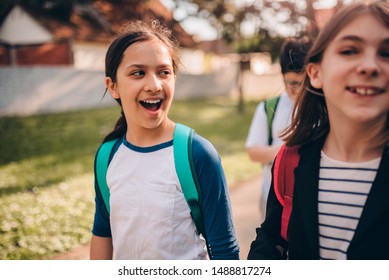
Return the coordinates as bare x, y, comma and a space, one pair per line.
284, 165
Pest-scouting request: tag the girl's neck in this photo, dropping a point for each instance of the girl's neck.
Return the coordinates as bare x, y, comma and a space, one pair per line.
353, 143
147, 137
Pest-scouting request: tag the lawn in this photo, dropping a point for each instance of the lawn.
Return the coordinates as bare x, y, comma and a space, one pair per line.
46, 170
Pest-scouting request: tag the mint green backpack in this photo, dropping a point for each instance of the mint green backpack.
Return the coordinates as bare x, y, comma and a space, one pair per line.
182, 146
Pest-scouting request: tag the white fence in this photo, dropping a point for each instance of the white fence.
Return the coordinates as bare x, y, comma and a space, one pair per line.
35, 90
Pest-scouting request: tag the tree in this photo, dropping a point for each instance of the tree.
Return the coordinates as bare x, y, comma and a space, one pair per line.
267, 17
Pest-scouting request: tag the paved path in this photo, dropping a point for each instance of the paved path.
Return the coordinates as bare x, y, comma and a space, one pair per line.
245, 209
246, 215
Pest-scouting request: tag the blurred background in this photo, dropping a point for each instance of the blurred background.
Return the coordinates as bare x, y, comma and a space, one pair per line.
231, 46
53, 112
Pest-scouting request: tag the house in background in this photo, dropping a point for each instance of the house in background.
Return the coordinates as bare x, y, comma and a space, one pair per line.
24, 40
39, 37
50, 63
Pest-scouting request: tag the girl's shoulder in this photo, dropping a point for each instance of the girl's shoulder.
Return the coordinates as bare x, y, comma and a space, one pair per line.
202, 147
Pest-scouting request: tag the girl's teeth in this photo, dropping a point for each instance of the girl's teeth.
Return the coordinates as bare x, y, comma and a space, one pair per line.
362, 91
151, 105
152, 101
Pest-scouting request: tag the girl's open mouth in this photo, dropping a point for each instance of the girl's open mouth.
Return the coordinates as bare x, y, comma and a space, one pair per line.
151, 105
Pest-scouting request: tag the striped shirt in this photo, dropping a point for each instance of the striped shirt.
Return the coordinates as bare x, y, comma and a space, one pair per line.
343, 190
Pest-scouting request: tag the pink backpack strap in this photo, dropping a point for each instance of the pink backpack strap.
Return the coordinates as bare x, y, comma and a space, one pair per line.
286, 161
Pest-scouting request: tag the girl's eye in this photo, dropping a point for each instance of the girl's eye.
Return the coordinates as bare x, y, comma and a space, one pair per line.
164, 73
348, 51
138, 73
384, 53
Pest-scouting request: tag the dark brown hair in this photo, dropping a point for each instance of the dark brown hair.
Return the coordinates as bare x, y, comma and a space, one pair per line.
310, 116
293, 54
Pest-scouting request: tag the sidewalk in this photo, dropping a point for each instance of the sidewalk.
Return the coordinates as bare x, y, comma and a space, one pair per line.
246, 212
246, 215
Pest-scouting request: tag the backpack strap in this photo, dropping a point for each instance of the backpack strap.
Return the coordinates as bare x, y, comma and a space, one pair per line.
285, 163
102, 160
182, 145
186, 172
270, 110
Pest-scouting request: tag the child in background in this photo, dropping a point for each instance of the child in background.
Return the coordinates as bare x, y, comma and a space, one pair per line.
340, 207
149, 216
262, 147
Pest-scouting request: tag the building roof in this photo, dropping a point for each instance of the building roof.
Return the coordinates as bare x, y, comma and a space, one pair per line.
102, 19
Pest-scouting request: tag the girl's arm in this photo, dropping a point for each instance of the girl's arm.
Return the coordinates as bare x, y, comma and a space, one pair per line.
101, 248
257, 140
215, 201
101, 243
262, 154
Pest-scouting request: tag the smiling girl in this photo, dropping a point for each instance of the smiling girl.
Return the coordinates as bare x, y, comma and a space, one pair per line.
340, 124
149, 217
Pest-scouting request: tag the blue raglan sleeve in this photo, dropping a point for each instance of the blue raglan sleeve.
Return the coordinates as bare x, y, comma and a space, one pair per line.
101, 223
215, 201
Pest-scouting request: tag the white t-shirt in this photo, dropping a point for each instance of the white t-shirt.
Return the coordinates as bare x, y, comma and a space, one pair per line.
258, 135
150, 220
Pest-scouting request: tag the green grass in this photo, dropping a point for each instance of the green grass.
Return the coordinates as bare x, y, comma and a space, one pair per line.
46, 170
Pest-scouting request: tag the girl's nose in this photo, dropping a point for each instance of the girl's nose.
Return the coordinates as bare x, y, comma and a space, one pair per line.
369, 66
153, 84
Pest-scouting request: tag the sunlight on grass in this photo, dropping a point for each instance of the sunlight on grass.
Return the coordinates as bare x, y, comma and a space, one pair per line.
28, 174
43, 222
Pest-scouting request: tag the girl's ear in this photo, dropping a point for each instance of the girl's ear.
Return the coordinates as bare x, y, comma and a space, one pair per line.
313, 71
111, 86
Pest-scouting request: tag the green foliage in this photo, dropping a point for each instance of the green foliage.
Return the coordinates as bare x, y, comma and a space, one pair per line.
46, 170
260, 43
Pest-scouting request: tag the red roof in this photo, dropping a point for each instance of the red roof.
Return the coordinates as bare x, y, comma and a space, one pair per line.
117, 14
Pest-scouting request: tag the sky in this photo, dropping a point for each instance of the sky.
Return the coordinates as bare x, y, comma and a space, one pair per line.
201, 29
198, 27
